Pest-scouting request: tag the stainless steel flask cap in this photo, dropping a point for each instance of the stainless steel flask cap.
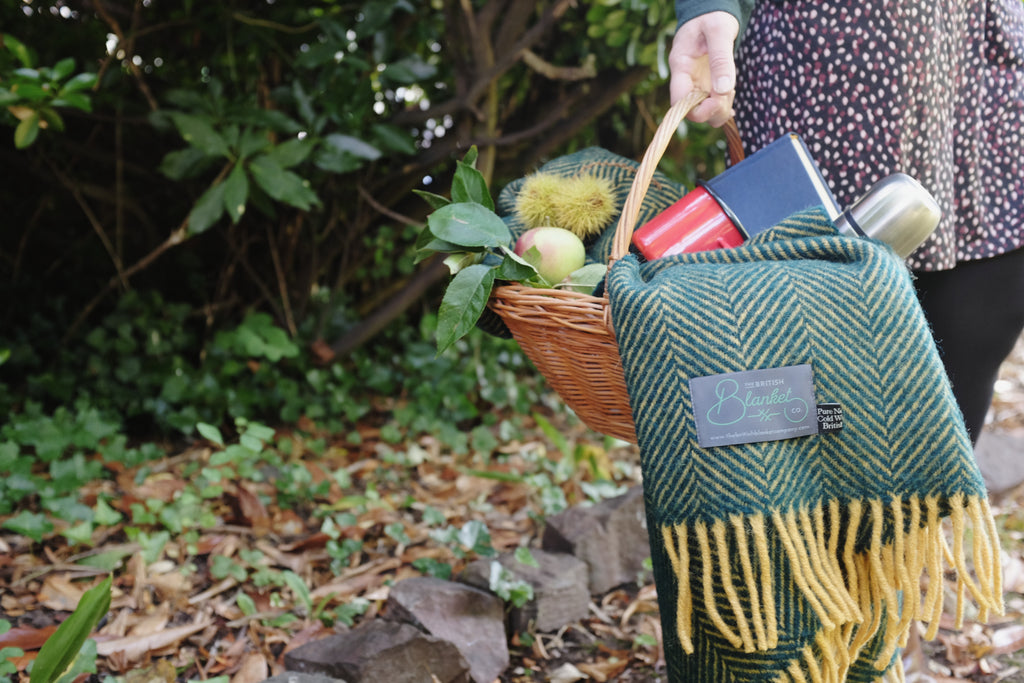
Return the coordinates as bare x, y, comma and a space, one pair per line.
896, 210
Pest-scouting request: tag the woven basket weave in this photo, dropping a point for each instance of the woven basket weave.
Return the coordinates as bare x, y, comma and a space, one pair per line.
568, 335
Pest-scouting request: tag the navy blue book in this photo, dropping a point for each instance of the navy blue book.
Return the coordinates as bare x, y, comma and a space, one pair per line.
772, 184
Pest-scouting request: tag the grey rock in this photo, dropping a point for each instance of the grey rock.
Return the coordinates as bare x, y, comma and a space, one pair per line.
1000, 458
610, 537
559, 582
379, 651
471, 619
295, 677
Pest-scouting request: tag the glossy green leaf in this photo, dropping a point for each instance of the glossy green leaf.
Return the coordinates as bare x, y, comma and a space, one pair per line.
236, 192
469, 225
514, 268
463, 302
200, 133
352, 145
52, 119
60, 649
251, 141
207, 210
303, 102
291, 152
469, 185
586, 278
427, 245
461, 260
83, 663
281, 184
74, 100
77, 83
394, 138
18, 49
435, 201
184, 163
408, 70
63, 68
27, 131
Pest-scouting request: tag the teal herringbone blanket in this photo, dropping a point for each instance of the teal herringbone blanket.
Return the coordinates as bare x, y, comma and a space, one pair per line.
800, 447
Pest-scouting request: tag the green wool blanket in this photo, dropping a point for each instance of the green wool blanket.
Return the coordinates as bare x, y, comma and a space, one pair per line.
800, 449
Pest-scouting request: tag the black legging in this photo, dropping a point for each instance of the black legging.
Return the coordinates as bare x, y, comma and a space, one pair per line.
976, 311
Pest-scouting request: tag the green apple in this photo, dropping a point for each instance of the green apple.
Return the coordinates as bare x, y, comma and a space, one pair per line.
554, 252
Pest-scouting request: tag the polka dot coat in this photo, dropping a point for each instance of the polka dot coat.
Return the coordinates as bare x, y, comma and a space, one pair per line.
931, 88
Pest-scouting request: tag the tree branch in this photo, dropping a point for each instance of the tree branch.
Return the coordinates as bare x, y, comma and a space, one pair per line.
433, 272
560, 73
467, 100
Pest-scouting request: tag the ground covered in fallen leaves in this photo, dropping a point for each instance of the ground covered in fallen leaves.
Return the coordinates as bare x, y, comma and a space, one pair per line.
222, 564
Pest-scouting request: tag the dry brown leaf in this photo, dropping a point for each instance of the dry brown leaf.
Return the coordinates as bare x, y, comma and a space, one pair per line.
253, 510
60, 594
148, 625
1013, 574
212, 591
605, 670
297, 563
1007, 639
163, 486
312, 632
356, 581
26, 638
134, 649
253, 669
567, 673
119, 625
288, 524
161, 671
171, 586
226, 654
11, 606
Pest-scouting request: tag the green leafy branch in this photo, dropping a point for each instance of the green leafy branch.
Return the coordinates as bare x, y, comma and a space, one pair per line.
33, 94
477, 242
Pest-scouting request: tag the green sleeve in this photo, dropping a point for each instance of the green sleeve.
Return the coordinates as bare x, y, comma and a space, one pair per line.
688, 9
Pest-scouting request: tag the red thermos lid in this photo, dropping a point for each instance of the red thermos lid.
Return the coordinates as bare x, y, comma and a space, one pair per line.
694, 223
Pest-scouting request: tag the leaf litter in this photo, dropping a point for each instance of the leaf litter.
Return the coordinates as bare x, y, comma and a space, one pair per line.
228, 600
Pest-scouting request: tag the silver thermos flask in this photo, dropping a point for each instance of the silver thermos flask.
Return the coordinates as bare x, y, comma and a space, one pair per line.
896, 210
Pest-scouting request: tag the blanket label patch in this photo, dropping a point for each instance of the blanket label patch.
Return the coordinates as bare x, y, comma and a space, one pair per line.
754, 405
830, 417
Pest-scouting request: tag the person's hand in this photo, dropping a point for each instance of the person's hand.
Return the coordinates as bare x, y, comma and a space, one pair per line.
701, 59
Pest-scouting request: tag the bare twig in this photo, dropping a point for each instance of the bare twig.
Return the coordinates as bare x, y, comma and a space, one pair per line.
128, 45
282, 284
94, 221
264, 23
177, 236
385, 211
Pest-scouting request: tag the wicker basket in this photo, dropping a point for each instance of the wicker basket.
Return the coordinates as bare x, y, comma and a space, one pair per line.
568, 335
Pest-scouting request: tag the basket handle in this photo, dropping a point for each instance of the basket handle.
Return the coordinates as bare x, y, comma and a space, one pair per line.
649, 164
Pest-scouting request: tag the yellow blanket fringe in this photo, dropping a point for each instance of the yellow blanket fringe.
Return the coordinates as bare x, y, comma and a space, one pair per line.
854, 594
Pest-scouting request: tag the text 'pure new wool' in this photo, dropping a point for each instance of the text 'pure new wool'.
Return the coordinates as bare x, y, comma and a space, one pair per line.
801, 449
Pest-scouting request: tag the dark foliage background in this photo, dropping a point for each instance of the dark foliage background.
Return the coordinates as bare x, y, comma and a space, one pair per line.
174, 169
